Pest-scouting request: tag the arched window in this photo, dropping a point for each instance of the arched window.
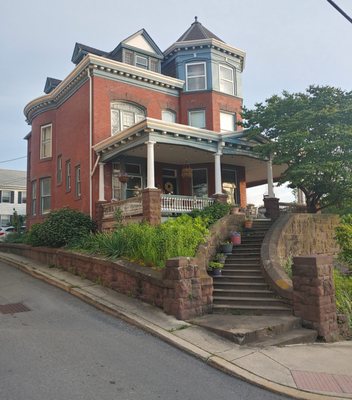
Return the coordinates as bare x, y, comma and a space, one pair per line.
124, 115
168, 115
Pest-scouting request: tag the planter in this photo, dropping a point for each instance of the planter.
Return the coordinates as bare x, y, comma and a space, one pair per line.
123, 178
236, 238
216, 272
227, 248
248, 223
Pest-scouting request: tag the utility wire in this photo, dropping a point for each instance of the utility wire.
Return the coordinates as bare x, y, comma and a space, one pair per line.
340, 10
12, 159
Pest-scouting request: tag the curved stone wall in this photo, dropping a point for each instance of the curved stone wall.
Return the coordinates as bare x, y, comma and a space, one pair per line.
296, 235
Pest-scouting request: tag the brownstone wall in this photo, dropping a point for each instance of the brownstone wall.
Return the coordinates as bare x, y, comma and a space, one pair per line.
314, 294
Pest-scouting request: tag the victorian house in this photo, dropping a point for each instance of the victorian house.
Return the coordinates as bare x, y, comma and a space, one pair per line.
151, 132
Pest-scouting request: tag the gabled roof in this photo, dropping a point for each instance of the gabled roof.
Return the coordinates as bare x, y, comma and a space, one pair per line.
11, 179
51, 84
140, 40
81, 50
197, 32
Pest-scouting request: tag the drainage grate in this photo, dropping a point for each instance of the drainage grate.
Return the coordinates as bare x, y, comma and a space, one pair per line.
13, 308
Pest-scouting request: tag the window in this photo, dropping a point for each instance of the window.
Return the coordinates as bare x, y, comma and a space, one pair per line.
7, 196
116, 184
200, 182
5, 220
229, 185
196, 76
45, 195
128, 57
226, 79
45, 141
227, 122
134, 184
59, 170
22, 197
141, 62
168, 116
154, 65
68, 176
124, 115
34, 198
196, 118
78, 181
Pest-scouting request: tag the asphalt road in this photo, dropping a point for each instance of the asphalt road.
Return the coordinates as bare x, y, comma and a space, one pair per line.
64, 349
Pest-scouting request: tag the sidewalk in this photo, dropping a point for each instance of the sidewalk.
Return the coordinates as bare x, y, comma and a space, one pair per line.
313, 371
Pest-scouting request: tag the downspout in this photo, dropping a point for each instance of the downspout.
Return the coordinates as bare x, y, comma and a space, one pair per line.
90, 144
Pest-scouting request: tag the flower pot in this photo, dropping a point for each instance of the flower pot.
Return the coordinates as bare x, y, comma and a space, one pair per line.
248, 223
227, 248
236, 238
123, 178
216, 272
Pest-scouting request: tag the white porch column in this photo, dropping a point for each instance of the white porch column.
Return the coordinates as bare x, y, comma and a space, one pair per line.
101, 182
269, 164
150, 165
218, 183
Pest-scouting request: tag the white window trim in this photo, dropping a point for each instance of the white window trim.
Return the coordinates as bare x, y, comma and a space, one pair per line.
227, 80
42, 156
42, 196
34, 198
168, 112
139, 64
194, 111
206, 173
78, 191
205, 75
234, 127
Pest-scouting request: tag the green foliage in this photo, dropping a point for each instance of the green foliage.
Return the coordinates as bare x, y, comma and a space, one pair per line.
61, 228
215, 265
212, 213
287, 266
343, 290
148, 244
344, 238
311, 133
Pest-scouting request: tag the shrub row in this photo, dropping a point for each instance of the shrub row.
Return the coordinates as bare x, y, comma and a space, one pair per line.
344, 239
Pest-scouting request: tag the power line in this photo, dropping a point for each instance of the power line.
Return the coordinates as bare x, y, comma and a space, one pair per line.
12, 159
340, 10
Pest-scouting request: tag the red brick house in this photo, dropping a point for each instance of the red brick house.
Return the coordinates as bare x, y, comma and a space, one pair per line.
142, 129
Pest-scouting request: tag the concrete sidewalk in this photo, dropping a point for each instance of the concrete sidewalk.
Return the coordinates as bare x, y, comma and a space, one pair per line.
313, 371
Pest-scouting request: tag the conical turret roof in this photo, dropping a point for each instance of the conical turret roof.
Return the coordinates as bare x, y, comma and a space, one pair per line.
197, 32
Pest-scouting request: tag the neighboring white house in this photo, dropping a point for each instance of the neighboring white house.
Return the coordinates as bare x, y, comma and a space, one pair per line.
13, 194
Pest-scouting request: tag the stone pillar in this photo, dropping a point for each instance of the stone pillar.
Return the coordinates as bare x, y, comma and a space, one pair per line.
272, 208
99, 214
218, 183
150, 165
151, 202
269, 165
183, 291
220, 198
314, 294
101, 182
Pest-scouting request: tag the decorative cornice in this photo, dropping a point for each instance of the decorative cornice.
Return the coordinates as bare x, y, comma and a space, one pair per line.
207, 43
98, 65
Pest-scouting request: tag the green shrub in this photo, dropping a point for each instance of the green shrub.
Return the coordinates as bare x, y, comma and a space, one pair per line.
344, 239
212, 213
343, 290
148, 244
61, 228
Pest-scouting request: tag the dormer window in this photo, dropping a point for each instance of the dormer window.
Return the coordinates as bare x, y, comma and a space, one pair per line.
196, 76
132, 58
141, 62
226, 79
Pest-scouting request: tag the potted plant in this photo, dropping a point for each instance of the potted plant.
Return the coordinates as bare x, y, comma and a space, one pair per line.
248, 223
220, 257
226, 247
123, 177
215, 267
235, 238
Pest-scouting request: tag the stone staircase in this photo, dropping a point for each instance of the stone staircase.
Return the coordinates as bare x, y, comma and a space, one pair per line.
242, 289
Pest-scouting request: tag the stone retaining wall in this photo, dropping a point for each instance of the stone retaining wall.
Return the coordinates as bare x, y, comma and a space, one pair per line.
296, 235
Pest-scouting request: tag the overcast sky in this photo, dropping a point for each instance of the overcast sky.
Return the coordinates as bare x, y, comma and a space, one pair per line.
290, 44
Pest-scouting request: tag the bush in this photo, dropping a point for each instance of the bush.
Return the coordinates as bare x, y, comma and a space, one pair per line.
61, 228
148, 244
212, 213
344, 239
343, 290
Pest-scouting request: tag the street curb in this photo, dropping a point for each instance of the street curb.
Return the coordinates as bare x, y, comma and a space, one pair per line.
210, 359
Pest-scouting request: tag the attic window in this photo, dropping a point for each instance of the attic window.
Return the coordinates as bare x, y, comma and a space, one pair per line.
141, 62
128, 57
154, 65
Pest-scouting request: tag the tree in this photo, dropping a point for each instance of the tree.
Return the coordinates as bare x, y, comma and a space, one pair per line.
311, 133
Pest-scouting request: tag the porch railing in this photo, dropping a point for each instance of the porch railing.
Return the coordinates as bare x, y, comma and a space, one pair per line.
183, 204
129, 207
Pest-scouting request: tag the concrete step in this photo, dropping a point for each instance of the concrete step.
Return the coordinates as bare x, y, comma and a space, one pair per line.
234, 266
251, 310
249, 301
229, 292
242, 258
294, 336
221, 283
240, 278
240, 272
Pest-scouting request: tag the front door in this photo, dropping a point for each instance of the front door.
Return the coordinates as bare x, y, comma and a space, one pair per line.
170, 181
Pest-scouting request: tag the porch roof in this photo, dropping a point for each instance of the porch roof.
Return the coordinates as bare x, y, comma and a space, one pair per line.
175, 134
